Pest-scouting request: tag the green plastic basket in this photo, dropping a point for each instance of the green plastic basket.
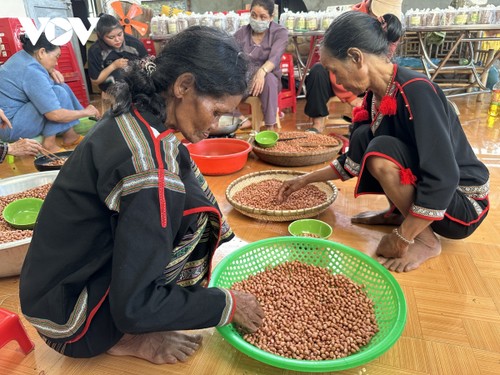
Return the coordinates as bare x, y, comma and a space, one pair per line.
380, 286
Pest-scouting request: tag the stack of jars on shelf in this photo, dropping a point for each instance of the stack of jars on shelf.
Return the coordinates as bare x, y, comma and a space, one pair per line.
161, 26
307, 21
483, 15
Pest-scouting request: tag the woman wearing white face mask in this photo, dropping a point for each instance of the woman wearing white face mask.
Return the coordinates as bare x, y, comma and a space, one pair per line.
264, 41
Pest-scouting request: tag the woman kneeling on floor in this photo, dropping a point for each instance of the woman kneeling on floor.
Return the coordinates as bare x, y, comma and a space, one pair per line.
35, 98
406, 143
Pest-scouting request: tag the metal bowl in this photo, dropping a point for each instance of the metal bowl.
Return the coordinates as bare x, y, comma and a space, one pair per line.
43, 163
227, 125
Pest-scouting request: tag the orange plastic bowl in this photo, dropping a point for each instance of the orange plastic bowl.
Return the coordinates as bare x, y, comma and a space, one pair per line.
219, 156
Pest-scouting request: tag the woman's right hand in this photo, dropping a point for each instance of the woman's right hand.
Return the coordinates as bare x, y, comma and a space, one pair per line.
120, 63
257, 84
290, 186
248, 315
25, 147
92, 111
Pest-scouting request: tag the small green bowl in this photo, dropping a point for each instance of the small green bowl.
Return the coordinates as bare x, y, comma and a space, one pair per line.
22, 213
267, 138
310, 228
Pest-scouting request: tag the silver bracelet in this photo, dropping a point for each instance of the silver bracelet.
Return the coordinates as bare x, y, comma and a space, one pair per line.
400, 236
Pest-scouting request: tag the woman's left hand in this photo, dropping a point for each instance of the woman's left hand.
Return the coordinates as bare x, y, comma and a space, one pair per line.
258, 83
57, 76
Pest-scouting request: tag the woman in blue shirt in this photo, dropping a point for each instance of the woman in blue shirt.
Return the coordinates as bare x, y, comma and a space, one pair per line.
35, 98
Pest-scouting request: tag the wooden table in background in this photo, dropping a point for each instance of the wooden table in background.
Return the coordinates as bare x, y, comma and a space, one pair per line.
473, 36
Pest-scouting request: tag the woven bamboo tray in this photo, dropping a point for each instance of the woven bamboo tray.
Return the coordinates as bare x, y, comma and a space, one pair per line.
278, 215
296, 159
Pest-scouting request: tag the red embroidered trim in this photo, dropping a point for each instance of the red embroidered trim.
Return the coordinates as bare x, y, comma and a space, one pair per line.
401, 87
89, 319
407, 177
161, 171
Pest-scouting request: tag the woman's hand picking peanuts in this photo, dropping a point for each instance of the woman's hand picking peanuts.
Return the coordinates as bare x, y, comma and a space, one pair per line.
290, 186
248, 315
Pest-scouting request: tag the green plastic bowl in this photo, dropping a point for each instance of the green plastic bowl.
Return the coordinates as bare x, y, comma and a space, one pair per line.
267, 138
310, 228
86, 123
380, 286
22, 213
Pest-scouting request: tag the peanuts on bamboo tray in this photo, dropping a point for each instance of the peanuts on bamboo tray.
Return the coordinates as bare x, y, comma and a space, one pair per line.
255, 195
296, 149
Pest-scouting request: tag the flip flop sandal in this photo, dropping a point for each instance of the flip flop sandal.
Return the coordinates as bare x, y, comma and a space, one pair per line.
312, 130
74, 143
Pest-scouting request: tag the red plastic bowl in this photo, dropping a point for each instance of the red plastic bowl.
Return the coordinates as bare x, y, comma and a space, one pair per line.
219, 156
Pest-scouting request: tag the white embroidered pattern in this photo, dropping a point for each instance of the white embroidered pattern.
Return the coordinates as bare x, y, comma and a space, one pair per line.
338, 167
352, 167
422, 211
476, 192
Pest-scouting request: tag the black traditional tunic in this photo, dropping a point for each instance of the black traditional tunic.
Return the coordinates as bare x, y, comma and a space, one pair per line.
426, 140
123, 241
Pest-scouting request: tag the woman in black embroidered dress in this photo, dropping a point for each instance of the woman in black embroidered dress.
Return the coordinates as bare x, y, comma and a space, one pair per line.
407, 143
122, 249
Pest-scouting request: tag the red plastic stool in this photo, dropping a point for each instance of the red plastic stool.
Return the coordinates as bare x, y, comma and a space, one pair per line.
11, 328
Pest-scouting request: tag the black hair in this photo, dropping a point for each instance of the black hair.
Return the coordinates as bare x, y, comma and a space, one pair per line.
355, 29
212, 56
105, 25
266, 4
42, 42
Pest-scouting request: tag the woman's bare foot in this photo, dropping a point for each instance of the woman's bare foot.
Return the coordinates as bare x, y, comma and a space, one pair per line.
386, 217
70, 136
391, 246
424, 248
245, 123
49, 143
158, 347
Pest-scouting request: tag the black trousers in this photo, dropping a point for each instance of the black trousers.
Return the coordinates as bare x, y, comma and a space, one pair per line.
460, 210
318, 91
101, 336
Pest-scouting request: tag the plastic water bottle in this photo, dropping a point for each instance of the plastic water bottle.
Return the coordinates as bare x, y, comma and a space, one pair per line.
494, 109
